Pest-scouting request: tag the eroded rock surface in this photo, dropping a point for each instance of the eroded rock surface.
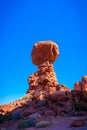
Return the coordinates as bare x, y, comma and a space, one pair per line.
44, 80
44, 51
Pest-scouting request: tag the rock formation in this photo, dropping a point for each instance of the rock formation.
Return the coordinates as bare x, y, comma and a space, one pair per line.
81, 86
45, 96
43, 84
44, 80
78, 86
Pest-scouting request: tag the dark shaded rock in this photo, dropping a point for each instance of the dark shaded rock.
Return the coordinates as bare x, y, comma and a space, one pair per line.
42, 103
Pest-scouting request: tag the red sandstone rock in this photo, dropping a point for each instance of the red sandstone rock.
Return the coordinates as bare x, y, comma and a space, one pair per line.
44, 51
44, 80
84, 84
52, 90
78, 86
78, 123
5, 108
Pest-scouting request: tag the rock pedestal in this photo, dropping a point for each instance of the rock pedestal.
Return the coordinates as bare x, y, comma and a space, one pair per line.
43, 81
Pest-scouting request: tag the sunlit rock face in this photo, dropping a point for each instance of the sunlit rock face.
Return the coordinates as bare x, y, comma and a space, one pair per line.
44, 51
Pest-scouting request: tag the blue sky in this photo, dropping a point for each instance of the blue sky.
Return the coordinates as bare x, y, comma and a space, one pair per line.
23, 23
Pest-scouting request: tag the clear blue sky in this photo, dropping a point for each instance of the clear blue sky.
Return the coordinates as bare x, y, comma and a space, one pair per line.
23, 23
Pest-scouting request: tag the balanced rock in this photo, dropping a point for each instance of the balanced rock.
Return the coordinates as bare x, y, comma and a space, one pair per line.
44, 51
44, 80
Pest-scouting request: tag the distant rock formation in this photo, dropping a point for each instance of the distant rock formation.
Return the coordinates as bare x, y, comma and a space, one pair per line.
81, 86
78, 86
